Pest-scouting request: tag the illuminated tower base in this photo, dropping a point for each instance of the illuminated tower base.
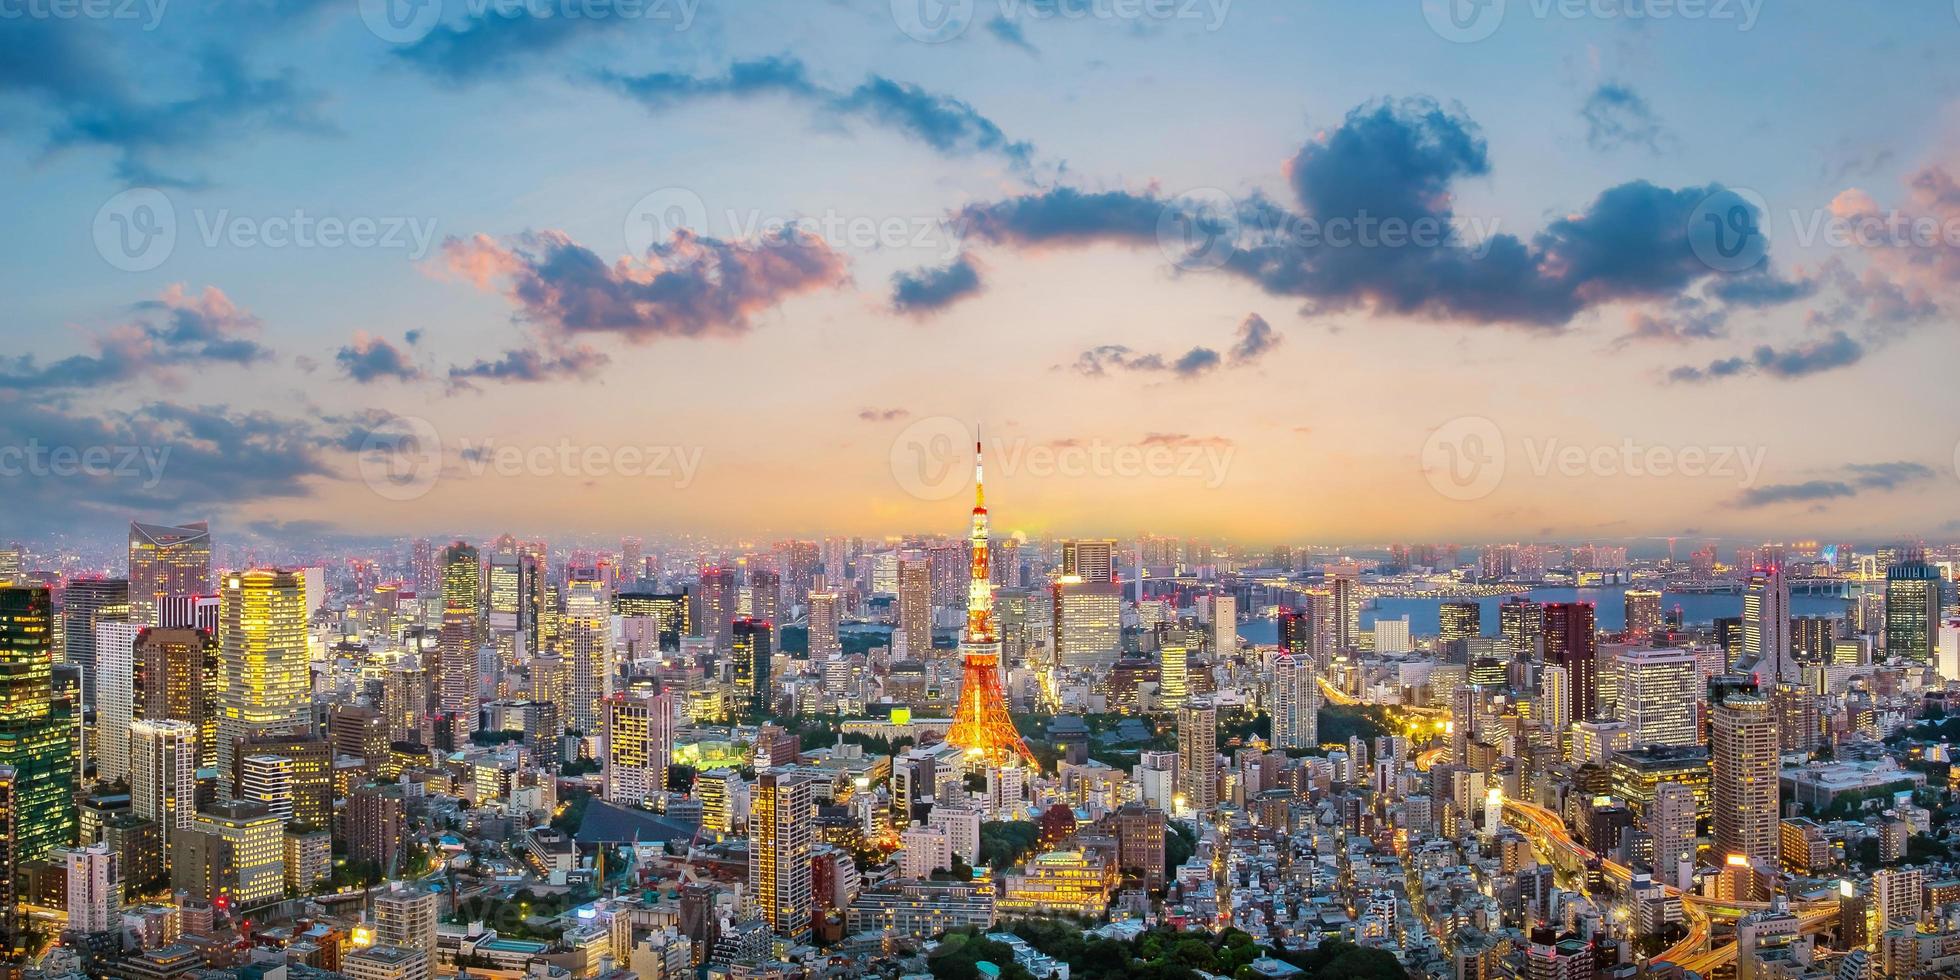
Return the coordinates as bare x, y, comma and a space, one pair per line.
981, 724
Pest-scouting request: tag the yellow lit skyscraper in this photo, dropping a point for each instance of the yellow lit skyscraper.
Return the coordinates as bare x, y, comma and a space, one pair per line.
1745, 754
913, 638
264, 681
588, 640
1643, 608
36, 733
1088, 623
780, 838
166, 562
456, 669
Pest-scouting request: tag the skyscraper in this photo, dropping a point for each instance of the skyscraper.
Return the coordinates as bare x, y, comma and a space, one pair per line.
1088, 623
166, 562
1173, 674
36, 733
1643, 611
914, 634
163, 776
84, 603
264, 680
1091, 559
1912, 610
1296, 703
457, 685
1224, 625
824, 624
781, 822
1555, 698
1657, 696
115, 683
753, 655
639, 745
1744, 756
1572, 642
177, 679
587, 630
1197, 756
1460, 621
1522, 623
1766, 625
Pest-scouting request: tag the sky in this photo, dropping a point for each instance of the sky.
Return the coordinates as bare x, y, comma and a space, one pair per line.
1274, 271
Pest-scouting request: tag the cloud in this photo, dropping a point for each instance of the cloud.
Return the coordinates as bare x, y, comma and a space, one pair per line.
1181, 439
1829, 353
77, 86
505, 38
1256, 339
1009, 32
370, 358
532, 364
930, 289
884, 414
175, 330
942, 122
1097, 362
160, 458
691, 286
1857, 477
1617, 116
1392, 164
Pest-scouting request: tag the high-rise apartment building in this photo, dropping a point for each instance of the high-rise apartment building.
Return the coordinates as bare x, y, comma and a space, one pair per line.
1197, 757
1295, 703
1744, 756
912, 640
781, 828
639, 745
825, 620
163, 762
115, 696
94, 889
1643, 614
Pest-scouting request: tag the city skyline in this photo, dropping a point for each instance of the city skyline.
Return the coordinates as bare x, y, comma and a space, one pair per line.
612, 275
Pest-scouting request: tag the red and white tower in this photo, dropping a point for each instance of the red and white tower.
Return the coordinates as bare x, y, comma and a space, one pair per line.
981, 724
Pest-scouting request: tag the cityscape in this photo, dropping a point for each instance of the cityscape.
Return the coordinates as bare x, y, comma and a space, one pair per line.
979, 489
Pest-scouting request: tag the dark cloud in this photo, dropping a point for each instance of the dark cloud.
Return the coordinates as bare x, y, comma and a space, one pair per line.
1618, 116
1814, 357
532, 364
75, 82
175, 330
161, 458
1857, 477
369, 359
884, 414
929, 289
691, 286
1009, 33
1257, 338
945, 123
507, 38
1390, 165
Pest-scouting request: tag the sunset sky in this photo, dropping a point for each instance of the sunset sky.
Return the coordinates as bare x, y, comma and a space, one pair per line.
1108, 236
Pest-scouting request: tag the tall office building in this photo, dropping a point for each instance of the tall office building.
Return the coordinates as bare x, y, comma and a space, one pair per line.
166, 562
115, 696
423, 570
1295, 703
235, 850
1555, 698
1173, 674
1643, 612
1088, 623
505, 605
163, 776
588, 638
264, 682
639, 745
1460, 621
753, 654
1224, 625
457, 685
84, 603
37, 734
1572, 642
715, 605
669, 609
1299, 635
825, 620
1197, 757
913, 638
1912, 610
1766, 625
1090, 559
781, 819
1522, 625
1658, 691
1744, 757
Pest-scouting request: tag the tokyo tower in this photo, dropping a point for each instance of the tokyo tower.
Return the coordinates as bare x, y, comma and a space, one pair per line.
981, 724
